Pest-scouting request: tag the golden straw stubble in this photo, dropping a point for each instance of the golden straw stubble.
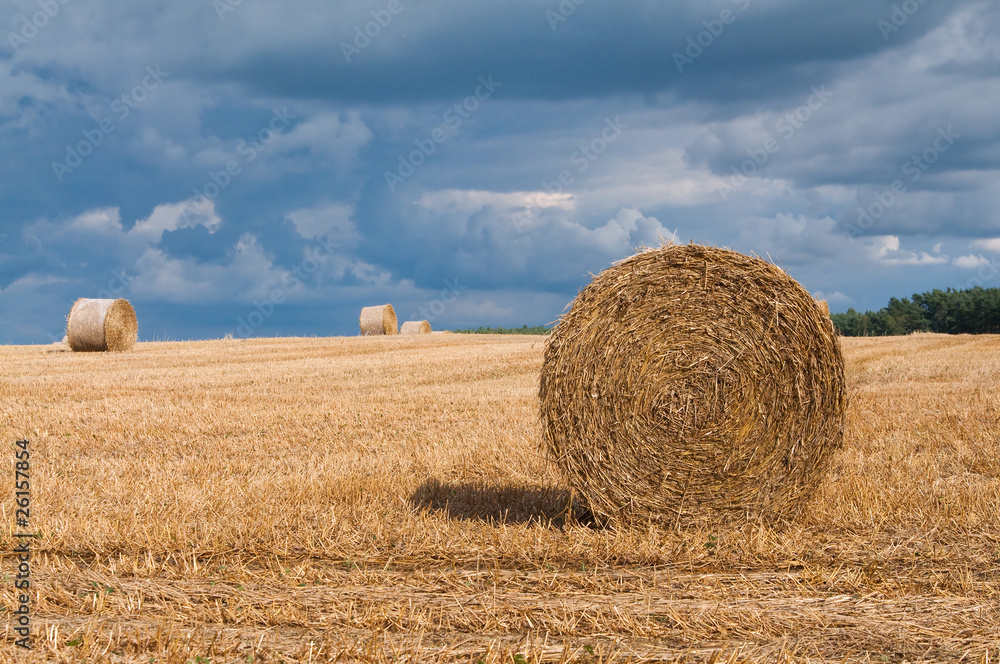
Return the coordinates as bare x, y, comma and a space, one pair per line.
101, 325
691, 384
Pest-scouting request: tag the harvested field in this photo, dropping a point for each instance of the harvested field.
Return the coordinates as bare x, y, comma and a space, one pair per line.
287, 500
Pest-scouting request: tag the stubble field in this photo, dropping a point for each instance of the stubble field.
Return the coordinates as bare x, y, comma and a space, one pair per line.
387, 499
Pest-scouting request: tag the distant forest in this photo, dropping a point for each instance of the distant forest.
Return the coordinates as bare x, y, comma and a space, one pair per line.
524, 329
972, 311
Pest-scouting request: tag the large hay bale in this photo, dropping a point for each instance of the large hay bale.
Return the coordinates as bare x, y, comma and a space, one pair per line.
100, 325
378, 320
824, 307
692, 384
415, 327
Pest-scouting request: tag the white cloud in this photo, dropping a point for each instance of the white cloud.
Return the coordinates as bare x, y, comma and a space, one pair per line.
791, 239
886, 249
651, 178
640, 230
249, 274
989, 244
171, 217
833, 298
326, 220
523, 223
103, 221
332, 137
15, 88
214, 156
883, 244
153, 142
145, 232
971, 261
467, 201
370, 275
31, 282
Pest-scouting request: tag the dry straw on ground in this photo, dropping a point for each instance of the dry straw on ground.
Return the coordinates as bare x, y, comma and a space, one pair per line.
415, 327
693, 383
378, 320
354, 521
101, 325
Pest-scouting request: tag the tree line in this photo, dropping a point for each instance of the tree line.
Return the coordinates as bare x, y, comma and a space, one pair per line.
970, 311
524, 329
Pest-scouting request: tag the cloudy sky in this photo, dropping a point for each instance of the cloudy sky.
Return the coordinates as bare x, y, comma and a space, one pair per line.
266, 168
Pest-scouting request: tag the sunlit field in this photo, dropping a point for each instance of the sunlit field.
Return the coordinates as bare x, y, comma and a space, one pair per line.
388, 499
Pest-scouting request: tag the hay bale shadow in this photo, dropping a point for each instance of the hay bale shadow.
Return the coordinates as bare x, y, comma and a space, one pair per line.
552, 506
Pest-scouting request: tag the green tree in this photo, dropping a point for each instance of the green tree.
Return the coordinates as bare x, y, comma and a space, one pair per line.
970, 311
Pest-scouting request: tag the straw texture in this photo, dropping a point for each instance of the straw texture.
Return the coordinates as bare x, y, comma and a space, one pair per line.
415, 327
101, 325
692, 383
378, 320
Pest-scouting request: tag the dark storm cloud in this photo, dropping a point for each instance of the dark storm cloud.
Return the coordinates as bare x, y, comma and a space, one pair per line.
699, 88
429, 50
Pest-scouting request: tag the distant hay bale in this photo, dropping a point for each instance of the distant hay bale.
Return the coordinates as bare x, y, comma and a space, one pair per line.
691, 384
101, 325
415, 327
378, 320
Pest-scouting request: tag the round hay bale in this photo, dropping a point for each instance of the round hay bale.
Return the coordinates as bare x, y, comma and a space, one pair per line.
824, 307
691, 384
378, 320
101, 325
415, 327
